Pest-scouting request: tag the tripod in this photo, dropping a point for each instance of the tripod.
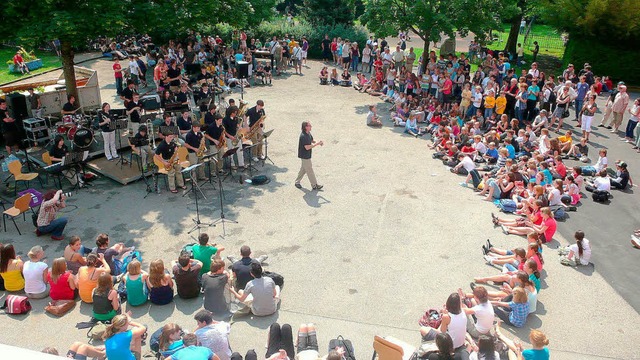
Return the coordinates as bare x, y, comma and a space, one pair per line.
140, 144
222, 219
197, 224
120, 124
266, 147
194, 184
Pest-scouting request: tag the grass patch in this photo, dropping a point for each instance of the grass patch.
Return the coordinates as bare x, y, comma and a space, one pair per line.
49, 61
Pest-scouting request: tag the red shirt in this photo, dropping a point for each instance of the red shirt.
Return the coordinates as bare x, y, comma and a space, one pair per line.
61, 289
117, 73
334, 46
379, 76
598, 87
18, 59
446, 88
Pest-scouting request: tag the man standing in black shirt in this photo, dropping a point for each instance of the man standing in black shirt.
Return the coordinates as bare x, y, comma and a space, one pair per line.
253, 115
326, 49
9, 128
192, 142
184, 123
305, 146
133, 110
215, 133
231, 128
164, 153
127, 93
173, 76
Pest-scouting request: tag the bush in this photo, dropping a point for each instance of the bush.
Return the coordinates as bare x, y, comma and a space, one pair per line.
604, 58
314, 34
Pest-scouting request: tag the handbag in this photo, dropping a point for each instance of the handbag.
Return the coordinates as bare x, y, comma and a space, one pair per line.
59, 307
565, 113
16, 305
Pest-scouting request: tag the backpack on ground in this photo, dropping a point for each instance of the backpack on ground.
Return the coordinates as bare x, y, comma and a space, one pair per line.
559, 214
349, 351
431, 318
16, 305
188, 249
277, 278
507, 206
129, 258
600, 196
96, 332
154, 341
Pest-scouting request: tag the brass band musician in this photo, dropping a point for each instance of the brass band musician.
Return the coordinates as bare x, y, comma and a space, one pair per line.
166, 160
216, 136
252, 117
231, 128
194, 141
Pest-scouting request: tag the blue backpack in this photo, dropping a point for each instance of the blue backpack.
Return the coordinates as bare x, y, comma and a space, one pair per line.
122, 266
507, 206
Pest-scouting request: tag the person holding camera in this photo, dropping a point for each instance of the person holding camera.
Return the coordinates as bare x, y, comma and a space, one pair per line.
47, 223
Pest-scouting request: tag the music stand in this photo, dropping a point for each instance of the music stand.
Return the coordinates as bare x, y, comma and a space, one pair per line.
194, 184
266, 136
250, 147
228, 156
197, 223
139, 143
211, 158
75, 159
119, 124
222, 219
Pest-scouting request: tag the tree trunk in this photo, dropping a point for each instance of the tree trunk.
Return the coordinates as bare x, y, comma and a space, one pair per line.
512, 41
425, 52
67, 68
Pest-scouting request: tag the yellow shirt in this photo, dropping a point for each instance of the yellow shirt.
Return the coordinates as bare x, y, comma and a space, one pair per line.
501, 105
564, 139
489, 102
13, 280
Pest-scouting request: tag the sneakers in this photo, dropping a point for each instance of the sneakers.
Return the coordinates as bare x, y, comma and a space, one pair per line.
57, 238
485, 251
635, 241
317, 187
38, 233
504, 229
463, 184
488, 259
255, 159
298, 186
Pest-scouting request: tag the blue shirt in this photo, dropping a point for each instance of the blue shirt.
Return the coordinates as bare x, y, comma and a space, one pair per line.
117, 346
581, 89
548, 178
511, 150
532, 90
193, 353
239, 57
518, 314
493, 153
534, 354
535, 281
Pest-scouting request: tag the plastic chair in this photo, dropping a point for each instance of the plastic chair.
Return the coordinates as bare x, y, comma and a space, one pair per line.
160, 170
15, 168
46, 158
20, 206
390, 348
132, 154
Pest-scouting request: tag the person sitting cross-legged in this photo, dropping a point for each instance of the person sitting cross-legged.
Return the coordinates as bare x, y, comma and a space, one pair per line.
242, 267
264, 294
186, 272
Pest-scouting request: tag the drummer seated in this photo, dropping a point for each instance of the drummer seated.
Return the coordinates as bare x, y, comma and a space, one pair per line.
70, 107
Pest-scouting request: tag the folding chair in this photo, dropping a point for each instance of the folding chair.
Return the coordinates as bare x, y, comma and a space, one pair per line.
389, 348
46, 158
20, 206
15, 168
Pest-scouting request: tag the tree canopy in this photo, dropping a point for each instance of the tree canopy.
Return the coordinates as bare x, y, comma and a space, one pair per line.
430, 19
329, 12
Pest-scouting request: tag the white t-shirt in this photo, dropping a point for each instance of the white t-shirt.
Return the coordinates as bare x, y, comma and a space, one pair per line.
586, 252
602, 183
262, 291
480, 147
477, 100
33, 281
474, 356
484, 315
457, 329
467, 163
134, 69
601, 163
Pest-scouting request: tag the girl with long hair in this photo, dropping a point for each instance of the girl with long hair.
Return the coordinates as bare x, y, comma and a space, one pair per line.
159, 283
88, 275
106, 301
11, 268
123, 338
170, 339
62, 283
578, 253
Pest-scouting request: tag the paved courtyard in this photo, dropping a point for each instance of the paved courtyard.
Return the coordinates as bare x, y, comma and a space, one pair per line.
390, 235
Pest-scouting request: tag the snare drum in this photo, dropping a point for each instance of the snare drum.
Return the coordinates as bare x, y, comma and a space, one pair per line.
61, 129
67, 120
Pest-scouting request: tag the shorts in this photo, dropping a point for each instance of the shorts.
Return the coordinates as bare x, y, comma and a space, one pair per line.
446, 98
558, 112
73, 355
11, 138
304, 54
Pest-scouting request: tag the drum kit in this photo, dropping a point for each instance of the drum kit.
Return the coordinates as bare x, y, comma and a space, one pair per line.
77, 129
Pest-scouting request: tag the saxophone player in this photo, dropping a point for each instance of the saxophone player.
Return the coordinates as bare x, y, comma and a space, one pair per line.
231, 130
195, 144
164, 154
252, 116
217, 140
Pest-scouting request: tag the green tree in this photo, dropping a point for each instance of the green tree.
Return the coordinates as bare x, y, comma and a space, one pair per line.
513, 11
430, 19
72, 22
329, 12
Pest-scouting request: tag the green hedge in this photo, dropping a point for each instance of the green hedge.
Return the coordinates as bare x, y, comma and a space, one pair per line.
314, 34
604, 59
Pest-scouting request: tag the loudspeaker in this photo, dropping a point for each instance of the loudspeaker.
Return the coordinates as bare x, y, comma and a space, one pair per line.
17, 104
243, 70
151, 102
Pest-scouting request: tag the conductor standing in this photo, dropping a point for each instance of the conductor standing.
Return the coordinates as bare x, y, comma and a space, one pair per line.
305, 146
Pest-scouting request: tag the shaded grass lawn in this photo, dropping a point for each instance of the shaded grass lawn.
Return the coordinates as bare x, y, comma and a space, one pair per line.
49, 61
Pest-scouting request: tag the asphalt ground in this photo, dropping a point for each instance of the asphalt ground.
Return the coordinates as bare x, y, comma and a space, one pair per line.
390, 235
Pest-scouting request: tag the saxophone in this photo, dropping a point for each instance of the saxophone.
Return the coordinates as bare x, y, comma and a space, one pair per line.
255, 127
174, 160
202, 149
222, 140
